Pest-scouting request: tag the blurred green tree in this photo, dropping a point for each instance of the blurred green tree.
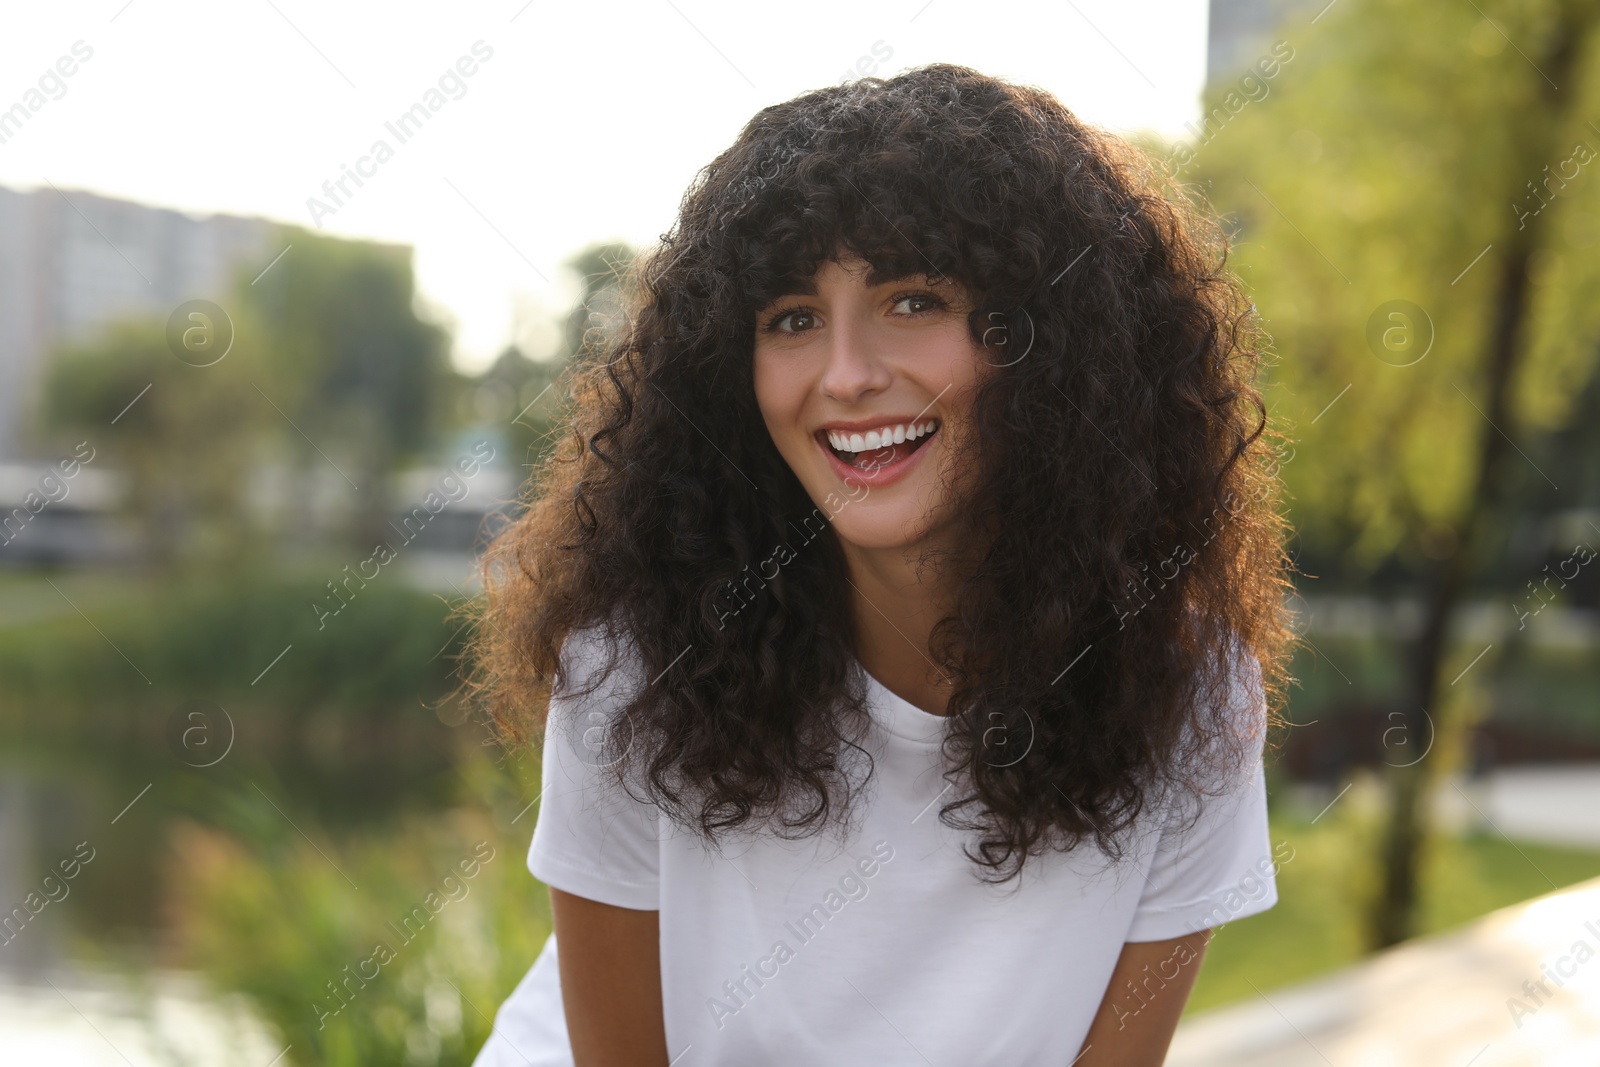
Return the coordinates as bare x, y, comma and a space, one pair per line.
182, 435
526, 389
523, 392
335, 335
332, 371
597, 315
1417, 204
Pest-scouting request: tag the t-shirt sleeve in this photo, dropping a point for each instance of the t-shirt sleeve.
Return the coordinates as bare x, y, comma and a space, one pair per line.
1217, 866
592, 839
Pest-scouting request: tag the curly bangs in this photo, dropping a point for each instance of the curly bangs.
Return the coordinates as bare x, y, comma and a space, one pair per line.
1125, 571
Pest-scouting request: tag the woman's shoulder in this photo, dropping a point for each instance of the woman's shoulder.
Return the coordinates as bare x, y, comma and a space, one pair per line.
1224, 730
598, 679
595, 655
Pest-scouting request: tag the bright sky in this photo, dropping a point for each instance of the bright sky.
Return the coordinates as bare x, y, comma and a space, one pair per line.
586, 122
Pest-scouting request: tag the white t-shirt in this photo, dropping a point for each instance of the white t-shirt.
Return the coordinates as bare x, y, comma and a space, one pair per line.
887, 950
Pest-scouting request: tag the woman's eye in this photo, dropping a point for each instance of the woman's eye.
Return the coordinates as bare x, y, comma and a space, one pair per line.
776, 323
927, 301
802, 320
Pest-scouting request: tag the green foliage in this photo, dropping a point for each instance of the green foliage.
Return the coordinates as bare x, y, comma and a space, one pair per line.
334, 330
600, 267
181, 435
528, 393
360, 379
331, 374
524, 394
355, 716
1394, 148
388, 646
280, 923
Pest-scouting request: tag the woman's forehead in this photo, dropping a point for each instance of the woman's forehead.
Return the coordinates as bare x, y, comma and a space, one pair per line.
873, 268
857, 268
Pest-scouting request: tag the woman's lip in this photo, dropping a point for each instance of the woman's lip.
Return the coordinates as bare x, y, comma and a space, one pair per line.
881, 476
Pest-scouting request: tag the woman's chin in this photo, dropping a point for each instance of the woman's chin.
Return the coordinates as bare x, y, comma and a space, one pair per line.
885, 528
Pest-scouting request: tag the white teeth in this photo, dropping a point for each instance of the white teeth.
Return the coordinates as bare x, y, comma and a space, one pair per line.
873, 439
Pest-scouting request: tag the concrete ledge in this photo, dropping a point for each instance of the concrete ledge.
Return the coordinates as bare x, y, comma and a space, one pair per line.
1467, 998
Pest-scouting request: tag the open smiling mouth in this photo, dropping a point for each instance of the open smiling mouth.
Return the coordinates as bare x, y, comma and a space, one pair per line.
878, 449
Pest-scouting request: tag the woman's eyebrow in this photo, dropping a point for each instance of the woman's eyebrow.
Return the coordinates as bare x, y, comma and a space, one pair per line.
890, 276
798, 287
875, 279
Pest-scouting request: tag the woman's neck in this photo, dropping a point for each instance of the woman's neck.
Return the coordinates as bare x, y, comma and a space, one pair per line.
894, 614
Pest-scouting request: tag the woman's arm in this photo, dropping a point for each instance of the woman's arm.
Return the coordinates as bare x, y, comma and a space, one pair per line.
1135, 1025
610, 962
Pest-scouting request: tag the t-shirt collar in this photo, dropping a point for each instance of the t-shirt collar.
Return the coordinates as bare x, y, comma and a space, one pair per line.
899, 716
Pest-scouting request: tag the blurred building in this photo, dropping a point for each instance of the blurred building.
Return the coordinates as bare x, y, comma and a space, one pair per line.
72, 261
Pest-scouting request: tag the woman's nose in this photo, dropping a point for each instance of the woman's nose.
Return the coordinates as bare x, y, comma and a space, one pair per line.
854, 362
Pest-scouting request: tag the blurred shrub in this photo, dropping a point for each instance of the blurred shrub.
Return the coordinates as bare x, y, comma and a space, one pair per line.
407, 965
342, 709
345, 730
390, 644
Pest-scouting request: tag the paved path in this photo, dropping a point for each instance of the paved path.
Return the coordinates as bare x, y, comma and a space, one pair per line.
1453, 1000
90, 1019
1558, 803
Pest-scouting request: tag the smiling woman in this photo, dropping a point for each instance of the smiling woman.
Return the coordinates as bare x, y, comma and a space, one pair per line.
851, 344
1011, 348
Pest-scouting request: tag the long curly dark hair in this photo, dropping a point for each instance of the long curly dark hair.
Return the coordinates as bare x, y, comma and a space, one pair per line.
1128, 554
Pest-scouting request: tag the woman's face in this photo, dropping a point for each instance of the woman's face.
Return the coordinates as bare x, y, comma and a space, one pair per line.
866, 391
